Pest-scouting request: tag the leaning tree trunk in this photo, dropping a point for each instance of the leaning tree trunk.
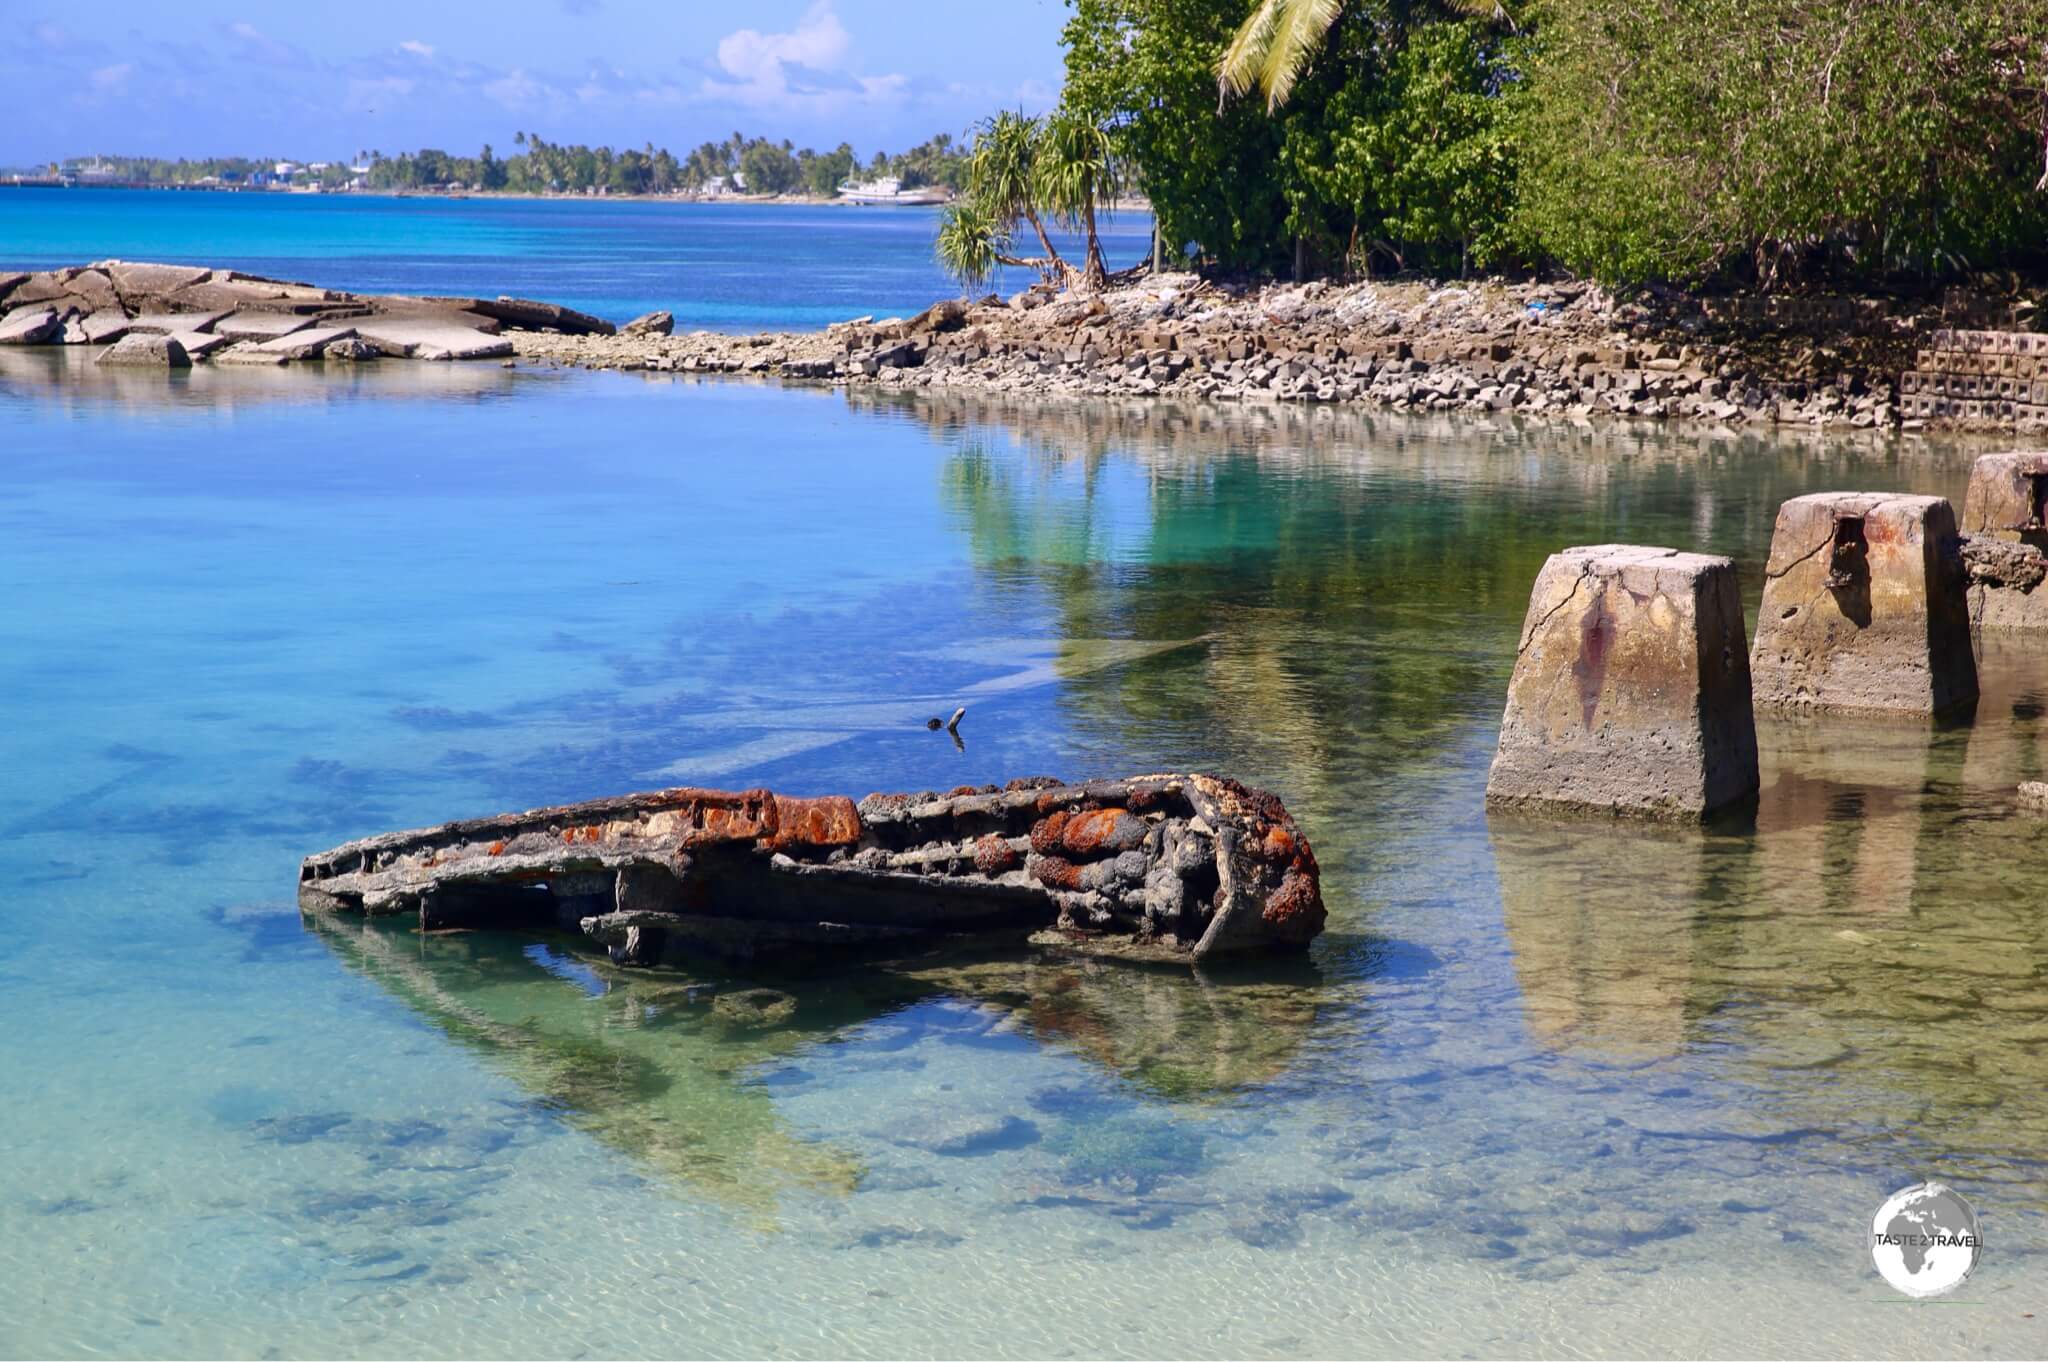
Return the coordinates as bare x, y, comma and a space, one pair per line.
1093, 275
1045, 242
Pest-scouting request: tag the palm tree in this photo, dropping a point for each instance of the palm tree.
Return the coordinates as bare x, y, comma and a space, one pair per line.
1275, 45
1076, 168
1002, 175
970, 243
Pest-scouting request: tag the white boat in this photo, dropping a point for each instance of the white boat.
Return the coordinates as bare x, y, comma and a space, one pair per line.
889, 189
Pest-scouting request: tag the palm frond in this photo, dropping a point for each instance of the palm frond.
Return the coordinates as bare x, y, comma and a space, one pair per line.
1237, 70
970, 243
1296, 38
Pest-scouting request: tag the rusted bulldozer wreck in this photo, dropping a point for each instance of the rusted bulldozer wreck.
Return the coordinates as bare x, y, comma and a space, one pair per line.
1184, 867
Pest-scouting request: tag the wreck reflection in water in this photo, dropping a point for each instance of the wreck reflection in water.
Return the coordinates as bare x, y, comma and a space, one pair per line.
666, 1067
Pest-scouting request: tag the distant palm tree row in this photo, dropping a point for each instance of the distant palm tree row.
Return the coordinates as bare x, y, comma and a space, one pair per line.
764, 166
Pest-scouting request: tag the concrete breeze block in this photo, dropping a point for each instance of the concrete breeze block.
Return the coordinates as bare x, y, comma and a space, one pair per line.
1864, 608
1631, 692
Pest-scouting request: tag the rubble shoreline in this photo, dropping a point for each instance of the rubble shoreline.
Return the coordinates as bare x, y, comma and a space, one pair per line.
1560, 350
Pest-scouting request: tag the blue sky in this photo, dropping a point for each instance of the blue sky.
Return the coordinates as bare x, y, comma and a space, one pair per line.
324, 80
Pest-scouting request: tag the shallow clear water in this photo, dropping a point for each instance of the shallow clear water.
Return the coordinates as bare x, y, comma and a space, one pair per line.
719, 267
1540, 1089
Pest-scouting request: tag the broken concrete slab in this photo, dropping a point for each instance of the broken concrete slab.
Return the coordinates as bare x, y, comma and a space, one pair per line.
260, 326
417, 338
98, 303
81, 287
1631, 689
530, 315
104, 328
31, 326
650, 324
448, 311
308, 343
175, 323
218, 294
2006, 539
247, 352
1865, 608
200, 344
1169, 867
135, 279
350, 349
155, 352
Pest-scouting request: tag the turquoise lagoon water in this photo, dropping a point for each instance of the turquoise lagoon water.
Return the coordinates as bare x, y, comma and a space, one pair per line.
1550, 1090
733, 267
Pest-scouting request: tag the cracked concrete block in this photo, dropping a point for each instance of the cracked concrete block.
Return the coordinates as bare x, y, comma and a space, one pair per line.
2006, 504
1630, 694
1865, 608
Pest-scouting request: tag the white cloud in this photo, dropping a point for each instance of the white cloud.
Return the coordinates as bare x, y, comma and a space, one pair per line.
520, 92
803, 70
108, 78
416, 47
371, 95
755, 58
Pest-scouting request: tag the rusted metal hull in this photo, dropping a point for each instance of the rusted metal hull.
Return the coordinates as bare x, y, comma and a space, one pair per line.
1165, 867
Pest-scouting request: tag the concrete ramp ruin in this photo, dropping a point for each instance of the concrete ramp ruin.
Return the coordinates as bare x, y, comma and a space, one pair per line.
1177, 867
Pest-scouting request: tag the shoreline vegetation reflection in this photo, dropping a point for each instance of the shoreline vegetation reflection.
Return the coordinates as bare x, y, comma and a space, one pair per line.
1539, 1088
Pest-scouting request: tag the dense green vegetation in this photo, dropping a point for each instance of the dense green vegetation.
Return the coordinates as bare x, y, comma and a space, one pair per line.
1731, 141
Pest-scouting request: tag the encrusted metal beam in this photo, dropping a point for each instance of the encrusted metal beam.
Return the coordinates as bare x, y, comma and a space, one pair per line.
1165, 867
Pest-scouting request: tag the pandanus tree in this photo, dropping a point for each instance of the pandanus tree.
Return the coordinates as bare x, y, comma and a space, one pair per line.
1077, 169
1021, 171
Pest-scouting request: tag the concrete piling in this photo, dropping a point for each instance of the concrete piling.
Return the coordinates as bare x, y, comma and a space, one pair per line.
1631, 689
2003, 516
1865, 608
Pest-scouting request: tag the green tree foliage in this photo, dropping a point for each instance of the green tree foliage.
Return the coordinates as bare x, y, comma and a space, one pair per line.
543, 167
1421, 160
1002, 182
769, 168
1397, 141
1023, 170
1673, 138
1075, 171
824, 172
970, 242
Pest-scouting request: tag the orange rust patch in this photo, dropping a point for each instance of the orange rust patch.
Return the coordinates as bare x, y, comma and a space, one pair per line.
497, 849
1045, 833
1296, 907
992, 855
1056, 872
831, 821
725, 816
1100, 830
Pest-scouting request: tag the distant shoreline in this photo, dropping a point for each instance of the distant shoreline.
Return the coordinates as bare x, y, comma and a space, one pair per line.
1128, 205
